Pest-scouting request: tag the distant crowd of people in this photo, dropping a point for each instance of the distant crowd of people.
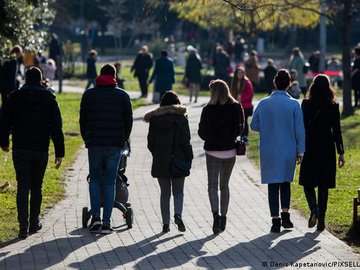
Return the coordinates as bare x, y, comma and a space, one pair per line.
308, 134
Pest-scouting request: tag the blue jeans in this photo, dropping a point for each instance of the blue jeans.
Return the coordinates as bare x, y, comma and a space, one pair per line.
103, 166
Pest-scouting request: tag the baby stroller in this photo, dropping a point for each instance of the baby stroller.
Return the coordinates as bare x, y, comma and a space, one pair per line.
122, 193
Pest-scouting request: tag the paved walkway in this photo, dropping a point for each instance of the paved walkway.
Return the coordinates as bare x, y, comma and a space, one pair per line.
246, 243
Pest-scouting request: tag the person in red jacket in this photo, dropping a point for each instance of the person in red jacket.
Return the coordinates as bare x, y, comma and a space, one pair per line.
242, 90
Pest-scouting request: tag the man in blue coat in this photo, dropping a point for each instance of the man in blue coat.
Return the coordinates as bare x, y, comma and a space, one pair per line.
163, 74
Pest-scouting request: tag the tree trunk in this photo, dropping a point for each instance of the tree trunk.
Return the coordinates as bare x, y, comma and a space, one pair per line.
345, 29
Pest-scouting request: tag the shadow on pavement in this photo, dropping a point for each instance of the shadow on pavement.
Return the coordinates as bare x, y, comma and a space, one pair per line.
188, 252
262, 252
133, 252
52, 252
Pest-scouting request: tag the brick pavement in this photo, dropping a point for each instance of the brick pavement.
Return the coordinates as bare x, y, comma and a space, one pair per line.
246, 243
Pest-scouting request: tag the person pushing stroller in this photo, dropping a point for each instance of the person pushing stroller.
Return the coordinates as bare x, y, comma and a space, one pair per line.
105, 125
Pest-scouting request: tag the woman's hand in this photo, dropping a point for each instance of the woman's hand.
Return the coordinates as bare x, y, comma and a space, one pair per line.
341, 161
299, 158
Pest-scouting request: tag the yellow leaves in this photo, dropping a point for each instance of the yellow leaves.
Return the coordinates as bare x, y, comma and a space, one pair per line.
247, 15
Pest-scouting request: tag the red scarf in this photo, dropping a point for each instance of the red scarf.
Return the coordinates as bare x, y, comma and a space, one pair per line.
106, 80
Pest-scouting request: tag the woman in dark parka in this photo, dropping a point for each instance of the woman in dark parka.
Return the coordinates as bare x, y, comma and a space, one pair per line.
323, 133
168, 123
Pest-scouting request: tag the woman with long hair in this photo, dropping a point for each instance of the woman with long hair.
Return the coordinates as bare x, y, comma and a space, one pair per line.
243, 91
221, 122
169, 137
279, 121
323, 133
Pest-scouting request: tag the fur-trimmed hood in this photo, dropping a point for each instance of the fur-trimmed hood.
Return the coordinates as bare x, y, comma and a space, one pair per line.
172, 109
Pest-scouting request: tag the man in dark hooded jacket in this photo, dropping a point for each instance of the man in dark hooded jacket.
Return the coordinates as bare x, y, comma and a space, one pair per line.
105, 125
33, 116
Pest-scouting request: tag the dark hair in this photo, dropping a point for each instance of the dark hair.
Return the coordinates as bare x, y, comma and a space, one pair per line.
320, 90
357, 51
282, 79
163, 53
108, 70
33, 76
170, 98
16, 49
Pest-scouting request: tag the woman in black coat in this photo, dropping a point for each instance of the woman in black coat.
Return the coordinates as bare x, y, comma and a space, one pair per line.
323, 133
222, 121
168, 137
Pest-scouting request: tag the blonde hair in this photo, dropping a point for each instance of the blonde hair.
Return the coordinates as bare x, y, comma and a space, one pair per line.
220, 93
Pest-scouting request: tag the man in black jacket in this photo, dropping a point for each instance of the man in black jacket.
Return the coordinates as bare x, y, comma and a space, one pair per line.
141, 67
105, 125
33, 116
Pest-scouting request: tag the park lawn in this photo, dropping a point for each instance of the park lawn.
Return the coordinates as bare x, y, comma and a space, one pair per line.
53, 186
339, 213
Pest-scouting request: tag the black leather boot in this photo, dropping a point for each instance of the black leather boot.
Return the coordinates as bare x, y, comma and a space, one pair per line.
276, 224
285, 220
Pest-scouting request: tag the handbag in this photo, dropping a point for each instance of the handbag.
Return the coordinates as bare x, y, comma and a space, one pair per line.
179, 167
240, 147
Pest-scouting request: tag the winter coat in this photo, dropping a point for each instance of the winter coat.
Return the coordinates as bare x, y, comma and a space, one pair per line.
221, 64
91, 72
33, 116
105, 114
247, 95
164, 121
142, 64
163, 74
193, 68
279, 120
323, 133
269, 75
355, 80
220, 125
8, 80
298, 63
252, 69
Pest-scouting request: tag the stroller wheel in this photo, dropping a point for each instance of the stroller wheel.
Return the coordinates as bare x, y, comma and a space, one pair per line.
85, 217
129, 218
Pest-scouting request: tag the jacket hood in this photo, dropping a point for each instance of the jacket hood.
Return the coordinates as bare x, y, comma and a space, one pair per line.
160, 111
33, 94
106, 80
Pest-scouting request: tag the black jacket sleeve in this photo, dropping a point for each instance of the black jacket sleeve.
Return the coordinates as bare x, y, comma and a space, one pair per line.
6, 122
202, 125
56, 132
128, 117
184, 139
336, 129
241, 120
82, 117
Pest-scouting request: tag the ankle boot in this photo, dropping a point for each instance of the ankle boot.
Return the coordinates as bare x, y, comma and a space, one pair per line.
222, 223
321, 224
216, 224
180, 223
276, 224
285, 220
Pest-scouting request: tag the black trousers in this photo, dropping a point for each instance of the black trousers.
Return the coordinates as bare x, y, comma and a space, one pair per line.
274, 190
319, 205
142, 78
30, 168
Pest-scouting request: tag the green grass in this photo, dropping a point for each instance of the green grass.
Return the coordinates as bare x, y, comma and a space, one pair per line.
339, 213
53, 187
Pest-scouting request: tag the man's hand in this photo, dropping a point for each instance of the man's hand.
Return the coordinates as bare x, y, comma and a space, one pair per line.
5, 149
341, 161
299, 159
57, 162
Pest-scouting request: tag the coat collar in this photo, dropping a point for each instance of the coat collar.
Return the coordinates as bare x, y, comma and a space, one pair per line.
280, 92
172, 109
